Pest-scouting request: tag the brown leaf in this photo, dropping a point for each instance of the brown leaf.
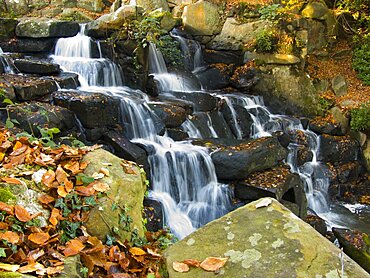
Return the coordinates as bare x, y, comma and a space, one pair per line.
39, 238
61, 175
46, 199
136, 251
73, 166
9, 209
97, 245
9, 236
85, 190
4, 226
180, 267
68, 185
100, 186
19, 149
31, 268
11, 180
22, 214
54, 270
55, 216
73, 247
34, 255
83, 165
213, 263
128, 168
9, 267
62, 191
153, 253
191, 262
104, 171
48, 178
114, 253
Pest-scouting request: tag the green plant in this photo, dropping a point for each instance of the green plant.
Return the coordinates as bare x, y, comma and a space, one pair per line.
360, 117
270, 12
325, 104
266, 41
361, 58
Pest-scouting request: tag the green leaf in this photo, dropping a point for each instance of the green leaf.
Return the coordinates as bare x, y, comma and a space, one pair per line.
9, 123
2, 252
8, 101
15, 121
150, 275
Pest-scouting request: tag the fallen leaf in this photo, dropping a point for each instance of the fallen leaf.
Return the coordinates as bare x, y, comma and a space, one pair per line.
11, 180
73, 166
180, 267
30, 268
62, 191
22, 214
97, 176
263, 203
100, 186
48, 178
68, 185
54, 270
153, 253
191, 262
4, 226
85, 190
9, 209
73, 247
213, 263
136, 251
39, 238
60, 175
9, 236
9, 267
54, 216
46, 199
104, 171
18, 149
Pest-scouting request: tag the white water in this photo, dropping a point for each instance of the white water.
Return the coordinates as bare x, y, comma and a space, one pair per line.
7, 63
183, 177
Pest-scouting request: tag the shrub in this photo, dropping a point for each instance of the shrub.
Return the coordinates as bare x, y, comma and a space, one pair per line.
360, 117
266, 41
361, 59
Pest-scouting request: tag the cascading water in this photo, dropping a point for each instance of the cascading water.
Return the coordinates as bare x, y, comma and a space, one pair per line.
183, 177
7, 63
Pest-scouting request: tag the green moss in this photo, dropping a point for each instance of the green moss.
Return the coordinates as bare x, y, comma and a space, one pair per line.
360, 118
6, 196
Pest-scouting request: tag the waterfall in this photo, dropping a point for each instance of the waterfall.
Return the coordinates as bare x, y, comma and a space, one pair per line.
76, 55
7, 63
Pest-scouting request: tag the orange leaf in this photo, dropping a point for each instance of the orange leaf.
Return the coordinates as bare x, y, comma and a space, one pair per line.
46, 199
11, 237
11, 180
191, 262
62, 191
73, 247
54, 270
4, 226
7, 208
30, 268
136, 251
83, 165
22, 214
68, 185
213, 263
39, 238
55, 216
100, 186
85, 190
48, 178
61, 175
180, 267
73, 166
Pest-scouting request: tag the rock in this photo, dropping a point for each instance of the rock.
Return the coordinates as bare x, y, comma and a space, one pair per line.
177, 134
234, 35
349, 172
202, 102
356, 245
280, 59
366, 152
19, 7
123, 148
322, 126
277, 244
36, 67
92, 109
91, 5
215, 77
223, 57
201, 18
289, 91
72, 268
7, 92
66, 80
244, 78
7, 28
303, 155
340, 118
338, 149
51, 13
151, 5
277, 183
75, 15
236, 163
166, 19
243, 120
127, 190
315, 10
317, 39
339, 85
34, 115
46, 28
153, 214
171, 115
94, 134
28, 88
317, 223
25, 45
64, 3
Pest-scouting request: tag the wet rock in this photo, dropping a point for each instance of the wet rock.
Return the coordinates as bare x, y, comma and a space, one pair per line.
66, 80
177, 134
183, 103
303, 155
46, 28
94, 134
171, 115
338, 149
92, 109
279, 59
7, 28
36, 67
202, 101
153, 214
356, 245
277, 244
201, 18
244, 78
236, 163
29, 88
34, 115
26, 45
349, 172
223, 57
243, 119
215, 77
322, 126
277, 183
317, 223
127, 190
7, 92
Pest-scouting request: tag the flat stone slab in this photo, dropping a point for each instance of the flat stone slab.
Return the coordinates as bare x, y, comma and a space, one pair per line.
46, 28
36, 67
262, 239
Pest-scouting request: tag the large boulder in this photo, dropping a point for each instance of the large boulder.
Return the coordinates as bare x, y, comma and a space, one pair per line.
202, 101
94, 110
170, 114
315, 10
127, 189
46, 28
234, 35
91, 5
237, 163
215, 77
36, 67
28, 45
201, 18
262, 239
151, 5
7, 27
341, 149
